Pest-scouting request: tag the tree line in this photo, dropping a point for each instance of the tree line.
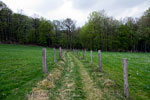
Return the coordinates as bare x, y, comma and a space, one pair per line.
99, 32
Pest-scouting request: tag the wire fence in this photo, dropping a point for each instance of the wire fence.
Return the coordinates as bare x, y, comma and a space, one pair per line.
138, 68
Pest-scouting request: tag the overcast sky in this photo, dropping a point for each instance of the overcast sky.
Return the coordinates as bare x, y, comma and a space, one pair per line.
78, 9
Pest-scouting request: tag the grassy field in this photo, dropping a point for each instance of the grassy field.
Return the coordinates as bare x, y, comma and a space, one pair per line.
76, 79
72, 78
138, 71
20, 69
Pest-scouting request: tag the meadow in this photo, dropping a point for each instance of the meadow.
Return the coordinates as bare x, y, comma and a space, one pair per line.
20, 69
72, 78
138, 71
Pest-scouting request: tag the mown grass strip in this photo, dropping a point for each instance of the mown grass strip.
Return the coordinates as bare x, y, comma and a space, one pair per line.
92, 92
80, 93
54, 92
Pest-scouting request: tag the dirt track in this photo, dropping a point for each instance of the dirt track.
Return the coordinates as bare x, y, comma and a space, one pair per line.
70, 80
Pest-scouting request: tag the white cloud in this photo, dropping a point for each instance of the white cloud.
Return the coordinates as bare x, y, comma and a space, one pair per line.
67, 11
135, 11
28, 6
78, 9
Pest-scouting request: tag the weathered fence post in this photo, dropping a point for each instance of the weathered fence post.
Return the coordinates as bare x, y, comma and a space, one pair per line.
55, 60
100, 63
85, 54
91, 57
44, 60
125, 70
76, 52
60, 52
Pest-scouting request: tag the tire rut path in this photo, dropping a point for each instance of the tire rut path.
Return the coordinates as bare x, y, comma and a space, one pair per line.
89, 86
69, 86
67, 90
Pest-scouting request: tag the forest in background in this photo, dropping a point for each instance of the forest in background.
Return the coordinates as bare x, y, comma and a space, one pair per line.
99, 32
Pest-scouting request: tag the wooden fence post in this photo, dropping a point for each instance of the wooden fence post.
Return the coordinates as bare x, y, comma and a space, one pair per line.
44, 60
60, 52
85, 54
100, 63
125, 70
55, 60
91, 57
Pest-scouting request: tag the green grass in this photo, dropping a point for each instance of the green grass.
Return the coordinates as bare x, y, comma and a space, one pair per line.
58, 83
138, 71
70, 75
20, 69
78, 84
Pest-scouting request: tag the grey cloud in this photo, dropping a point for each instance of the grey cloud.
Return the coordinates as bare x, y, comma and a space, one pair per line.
128, 3
105, 4
84, 4
49, 5
112, 7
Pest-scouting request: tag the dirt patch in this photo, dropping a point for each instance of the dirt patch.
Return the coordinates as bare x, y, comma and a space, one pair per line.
108, 83
38, 94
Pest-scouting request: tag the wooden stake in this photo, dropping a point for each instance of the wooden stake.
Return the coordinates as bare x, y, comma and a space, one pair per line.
91, 57
100, 63
44, 60
125, 70
60, 52
55, 60
85, 54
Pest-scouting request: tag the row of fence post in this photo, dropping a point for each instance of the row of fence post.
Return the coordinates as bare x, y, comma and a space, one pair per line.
125, 64
125, 69
44, 60
91, 56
